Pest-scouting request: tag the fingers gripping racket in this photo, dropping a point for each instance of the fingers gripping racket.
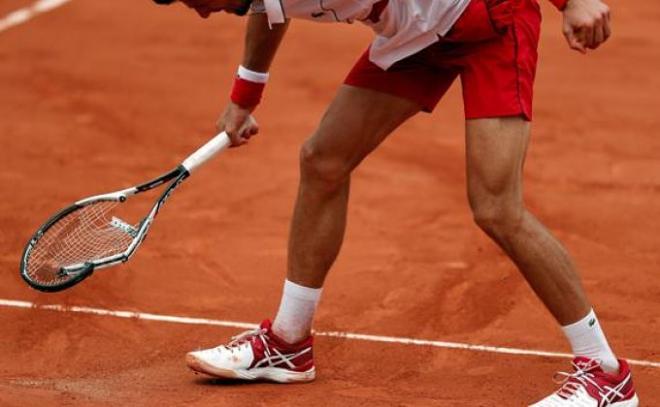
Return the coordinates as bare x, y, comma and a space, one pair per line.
90, 235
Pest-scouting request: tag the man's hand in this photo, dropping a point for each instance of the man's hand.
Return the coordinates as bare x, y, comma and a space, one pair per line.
586, 24
238, 123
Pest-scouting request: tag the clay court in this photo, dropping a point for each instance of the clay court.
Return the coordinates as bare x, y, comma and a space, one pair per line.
99, 95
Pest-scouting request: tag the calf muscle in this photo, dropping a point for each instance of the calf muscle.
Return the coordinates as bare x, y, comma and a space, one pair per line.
496, 150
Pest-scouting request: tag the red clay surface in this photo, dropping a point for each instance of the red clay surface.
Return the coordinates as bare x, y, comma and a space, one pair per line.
99, 95
9, 6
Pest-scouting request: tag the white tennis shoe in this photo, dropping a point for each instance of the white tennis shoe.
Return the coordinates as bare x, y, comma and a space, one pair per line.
589, 386
257, 355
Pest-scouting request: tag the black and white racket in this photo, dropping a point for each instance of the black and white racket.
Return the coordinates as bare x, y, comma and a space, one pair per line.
90, 235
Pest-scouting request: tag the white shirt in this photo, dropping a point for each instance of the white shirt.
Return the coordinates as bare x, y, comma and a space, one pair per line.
405, 26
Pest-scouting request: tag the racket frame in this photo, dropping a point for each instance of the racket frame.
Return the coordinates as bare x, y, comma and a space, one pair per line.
83, 270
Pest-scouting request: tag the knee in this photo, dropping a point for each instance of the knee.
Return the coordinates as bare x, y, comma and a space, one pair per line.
321, 167
499, 217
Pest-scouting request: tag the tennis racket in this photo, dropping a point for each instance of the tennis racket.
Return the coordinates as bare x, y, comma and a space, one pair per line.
90, 234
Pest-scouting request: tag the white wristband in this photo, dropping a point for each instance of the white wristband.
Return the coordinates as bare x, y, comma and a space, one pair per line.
252, 76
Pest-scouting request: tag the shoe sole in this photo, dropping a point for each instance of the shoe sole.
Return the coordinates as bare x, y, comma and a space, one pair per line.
273, 374
633, 402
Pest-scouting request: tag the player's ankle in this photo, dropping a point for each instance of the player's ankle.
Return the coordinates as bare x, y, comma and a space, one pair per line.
288, 337
587, 339
293, 322
610, 366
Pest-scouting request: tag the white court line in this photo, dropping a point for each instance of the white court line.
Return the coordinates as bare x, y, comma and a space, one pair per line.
347, 335
22, 15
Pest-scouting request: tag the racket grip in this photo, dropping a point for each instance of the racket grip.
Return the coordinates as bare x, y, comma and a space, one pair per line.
206, 152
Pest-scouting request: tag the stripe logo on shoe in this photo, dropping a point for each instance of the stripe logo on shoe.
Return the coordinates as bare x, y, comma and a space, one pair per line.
279, 359
613, 393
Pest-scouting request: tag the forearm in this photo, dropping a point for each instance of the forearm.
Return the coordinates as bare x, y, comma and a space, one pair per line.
261, 42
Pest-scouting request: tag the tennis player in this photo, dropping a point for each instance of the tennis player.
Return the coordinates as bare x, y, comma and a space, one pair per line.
420, 48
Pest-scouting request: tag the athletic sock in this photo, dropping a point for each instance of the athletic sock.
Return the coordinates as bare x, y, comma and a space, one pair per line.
587, 339
293, 322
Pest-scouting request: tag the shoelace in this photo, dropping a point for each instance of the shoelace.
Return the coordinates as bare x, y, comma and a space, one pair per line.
242, 338
582, 377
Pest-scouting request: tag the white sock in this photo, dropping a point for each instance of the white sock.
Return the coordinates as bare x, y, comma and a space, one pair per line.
293, 322
587, 339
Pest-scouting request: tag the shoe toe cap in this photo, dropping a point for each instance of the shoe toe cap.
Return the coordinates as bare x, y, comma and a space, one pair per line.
221, 357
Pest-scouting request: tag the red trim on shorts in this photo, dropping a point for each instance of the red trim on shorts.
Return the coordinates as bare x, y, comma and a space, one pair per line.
497, 74
560, 4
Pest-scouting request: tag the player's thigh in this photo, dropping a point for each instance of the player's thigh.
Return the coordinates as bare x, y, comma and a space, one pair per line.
356, 122
495, 152
498, 75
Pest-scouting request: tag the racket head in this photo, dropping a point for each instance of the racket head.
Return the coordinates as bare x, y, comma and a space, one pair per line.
90, 234
72, 243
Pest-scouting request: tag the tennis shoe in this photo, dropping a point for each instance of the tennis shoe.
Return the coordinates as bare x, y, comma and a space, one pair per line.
590, 386
257, 355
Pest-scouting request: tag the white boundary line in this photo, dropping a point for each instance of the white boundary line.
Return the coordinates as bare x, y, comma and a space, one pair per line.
347, 335
25, 14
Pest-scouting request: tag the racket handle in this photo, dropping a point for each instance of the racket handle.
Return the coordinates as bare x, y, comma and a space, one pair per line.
206, 152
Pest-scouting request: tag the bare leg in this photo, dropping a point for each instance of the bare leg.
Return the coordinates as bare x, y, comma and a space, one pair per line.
496, 151
356, 122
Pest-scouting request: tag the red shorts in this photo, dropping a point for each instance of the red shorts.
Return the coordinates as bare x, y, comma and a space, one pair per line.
497, 74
